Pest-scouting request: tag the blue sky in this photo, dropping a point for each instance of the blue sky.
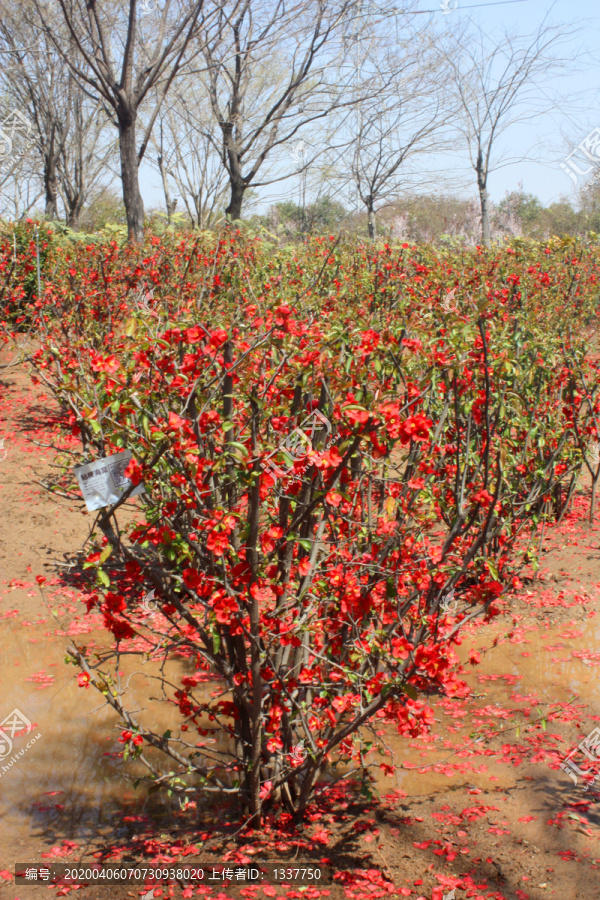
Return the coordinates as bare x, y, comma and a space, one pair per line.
548, 139
539, 145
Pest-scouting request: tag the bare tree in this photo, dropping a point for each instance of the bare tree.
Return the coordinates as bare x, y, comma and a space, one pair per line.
271, 70
68, 127
84, 159
187, 154
494, 81
20, 185
402, 120
170, 202
36, 87
120, 57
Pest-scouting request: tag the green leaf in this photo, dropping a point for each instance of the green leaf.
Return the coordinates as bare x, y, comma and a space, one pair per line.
493, 570
105, 554
243, 450
103, 577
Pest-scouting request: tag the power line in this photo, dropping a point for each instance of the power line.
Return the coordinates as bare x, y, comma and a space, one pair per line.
423, 12
484, 5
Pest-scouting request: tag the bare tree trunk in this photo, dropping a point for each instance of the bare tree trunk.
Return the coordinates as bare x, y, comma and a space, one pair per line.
371, 219
485, 217
169, 202
73, 214
132, 198
483, 200
234, 210
51, 188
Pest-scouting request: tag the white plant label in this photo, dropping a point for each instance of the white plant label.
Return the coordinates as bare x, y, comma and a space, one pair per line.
102, 482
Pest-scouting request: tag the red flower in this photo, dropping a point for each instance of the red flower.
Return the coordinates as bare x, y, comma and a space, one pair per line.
218, 337
218, 542
109, 364
263, 593
331, 459
415, 428
114, 603
191, 578
390, 413
484, 497
208, 419
120, 629
225, 608
176, 422
356, 416
304, 566
133, 471
266, 790
270, 537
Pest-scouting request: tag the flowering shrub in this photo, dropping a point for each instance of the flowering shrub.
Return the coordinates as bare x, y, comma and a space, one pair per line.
19, 244
306, 573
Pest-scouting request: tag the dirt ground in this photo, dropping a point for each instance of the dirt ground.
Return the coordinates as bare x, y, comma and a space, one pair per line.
470, 810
